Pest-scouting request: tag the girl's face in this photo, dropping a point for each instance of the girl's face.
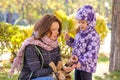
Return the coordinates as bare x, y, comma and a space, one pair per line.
54, 29
82, 24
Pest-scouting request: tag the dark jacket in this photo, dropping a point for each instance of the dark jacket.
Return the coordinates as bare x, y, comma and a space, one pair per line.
32, 62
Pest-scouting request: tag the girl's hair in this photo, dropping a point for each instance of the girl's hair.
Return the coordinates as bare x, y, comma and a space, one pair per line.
77, 30
42, 26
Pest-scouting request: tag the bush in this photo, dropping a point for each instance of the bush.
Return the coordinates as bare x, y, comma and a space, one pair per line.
11, 37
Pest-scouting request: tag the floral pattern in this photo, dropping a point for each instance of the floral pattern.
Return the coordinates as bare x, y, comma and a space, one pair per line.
86, 43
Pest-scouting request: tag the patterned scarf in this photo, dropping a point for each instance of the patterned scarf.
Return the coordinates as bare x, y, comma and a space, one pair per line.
46, 43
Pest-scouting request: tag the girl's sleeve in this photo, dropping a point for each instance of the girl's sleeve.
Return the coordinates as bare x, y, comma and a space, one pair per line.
91, 55
34, 63
70, 42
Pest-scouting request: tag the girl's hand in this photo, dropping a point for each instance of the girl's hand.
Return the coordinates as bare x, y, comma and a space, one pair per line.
67, 37
78, 65
73, 59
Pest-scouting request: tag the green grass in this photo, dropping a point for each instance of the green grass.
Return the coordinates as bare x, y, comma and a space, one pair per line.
3, 76
112, 76
97, 78
102, 57
4, 71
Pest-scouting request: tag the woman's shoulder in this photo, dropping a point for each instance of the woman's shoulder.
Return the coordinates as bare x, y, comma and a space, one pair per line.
42, 49
30, 46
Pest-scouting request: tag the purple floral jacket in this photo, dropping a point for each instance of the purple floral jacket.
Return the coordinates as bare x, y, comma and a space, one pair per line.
86, 43
86, 47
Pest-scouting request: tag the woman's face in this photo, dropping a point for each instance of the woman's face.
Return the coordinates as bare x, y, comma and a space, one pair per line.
54, 28
82, 24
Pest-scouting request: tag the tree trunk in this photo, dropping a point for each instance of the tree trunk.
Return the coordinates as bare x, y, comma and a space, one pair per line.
115, 38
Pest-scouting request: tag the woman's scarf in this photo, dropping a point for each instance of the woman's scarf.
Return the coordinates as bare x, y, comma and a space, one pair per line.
45, 43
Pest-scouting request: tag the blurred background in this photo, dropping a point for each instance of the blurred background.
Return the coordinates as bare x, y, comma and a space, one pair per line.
17, 18
28, 11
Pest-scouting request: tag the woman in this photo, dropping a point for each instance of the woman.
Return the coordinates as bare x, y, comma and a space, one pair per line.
44, 38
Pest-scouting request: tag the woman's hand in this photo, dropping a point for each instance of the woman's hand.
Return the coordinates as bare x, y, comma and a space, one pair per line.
68, 69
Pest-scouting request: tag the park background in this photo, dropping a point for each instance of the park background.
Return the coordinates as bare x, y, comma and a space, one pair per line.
17, 18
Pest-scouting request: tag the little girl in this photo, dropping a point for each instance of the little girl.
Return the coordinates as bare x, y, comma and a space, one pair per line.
86, 43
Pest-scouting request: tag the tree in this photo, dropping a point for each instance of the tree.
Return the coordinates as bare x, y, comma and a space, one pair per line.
115, 37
